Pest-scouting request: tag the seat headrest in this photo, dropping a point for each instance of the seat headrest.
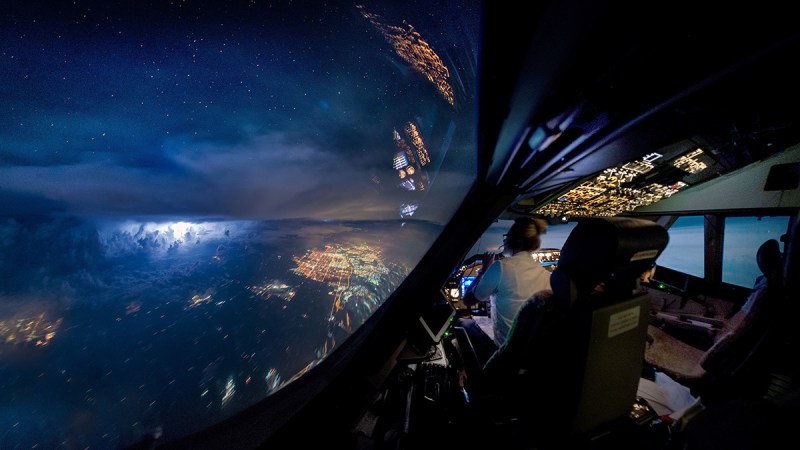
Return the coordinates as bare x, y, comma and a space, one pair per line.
769, 259
613, 250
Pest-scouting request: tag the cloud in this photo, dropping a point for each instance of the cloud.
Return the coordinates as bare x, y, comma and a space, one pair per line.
53, 258
267, 177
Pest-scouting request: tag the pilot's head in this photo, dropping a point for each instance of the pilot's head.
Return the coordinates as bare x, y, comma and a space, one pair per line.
524, 235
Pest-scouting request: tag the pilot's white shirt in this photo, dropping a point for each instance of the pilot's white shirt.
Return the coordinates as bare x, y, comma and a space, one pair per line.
508, 283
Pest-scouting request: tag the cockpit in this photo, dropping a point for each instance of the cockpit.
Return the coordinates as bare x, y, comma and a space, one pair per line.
222, 223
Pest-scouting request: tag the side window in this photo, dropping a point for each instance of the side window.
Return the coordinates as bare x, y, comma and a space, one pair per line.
743, 236
684, 252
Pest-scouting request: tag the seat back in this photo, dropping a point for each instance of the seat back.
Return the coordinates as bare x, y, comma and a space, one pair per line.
748, 325
614, 361
770, 263
789, 309
791, 274
599, 279
574, 355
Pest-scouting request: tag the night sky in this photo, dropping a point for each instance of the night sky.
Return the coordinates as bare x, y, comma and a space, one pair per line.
241, 109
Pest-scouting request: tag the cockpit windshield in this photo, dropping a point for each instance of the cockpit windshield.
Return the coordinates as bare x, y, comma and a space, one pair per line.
201, 201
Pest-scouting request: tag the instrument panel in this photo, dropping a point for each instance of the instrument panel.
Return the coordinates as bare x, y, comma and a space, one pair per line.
457, 285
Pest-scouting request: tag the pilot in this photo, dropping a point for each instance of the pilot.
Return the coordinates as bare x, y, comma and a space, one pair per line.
507, 283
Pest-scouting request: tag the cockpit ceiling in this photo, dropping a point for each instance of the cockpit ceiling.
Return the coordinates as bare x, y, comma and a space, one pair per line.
688, 182
613, 125
728, 130
627, 186
637, 159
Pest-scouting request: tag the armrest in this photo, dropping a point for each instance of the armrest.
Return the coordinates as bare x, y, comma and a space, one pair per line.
690, 319
697, 324
694, 318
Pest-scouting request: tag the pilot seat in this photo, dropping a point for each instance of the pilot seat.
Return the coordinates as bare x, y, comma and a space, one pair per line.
571, 365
